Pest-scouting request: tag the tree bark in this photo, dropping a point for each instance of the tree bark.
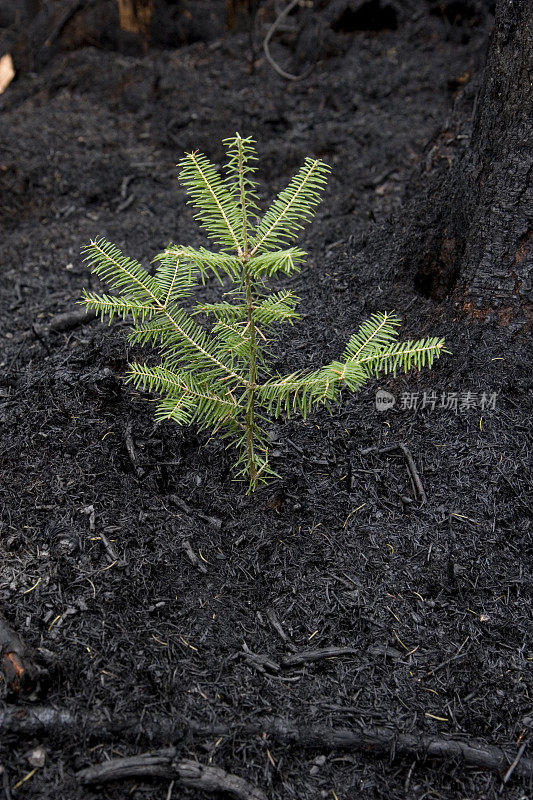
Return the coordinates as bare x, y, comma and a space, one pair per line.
135, 16
471, 228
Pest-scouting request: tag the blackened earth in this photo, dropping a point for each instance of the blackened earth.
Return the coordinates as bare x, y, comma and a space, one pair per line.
435, 598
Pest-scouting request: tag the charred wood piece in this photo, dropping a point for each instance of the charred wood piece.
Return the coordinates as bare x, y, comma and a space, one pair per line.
20, 673
379, 740
276, 624
164, 764
312, 656
71, 319
264, 663
193, 558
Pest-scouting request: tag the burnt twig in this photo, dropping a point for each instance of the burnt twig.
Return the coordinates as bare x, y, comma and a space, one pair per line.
193, 558
514, 765
413, 472
71, 319
130, 448
310, 656
380, 740
164, 764
111, 552
276, 624
214, 522
32, 721
264, 663
260, 662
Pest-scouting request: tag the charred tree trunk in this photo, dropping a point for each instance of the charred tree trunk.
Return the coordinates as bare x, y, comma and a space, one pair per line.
471, 227
135, 16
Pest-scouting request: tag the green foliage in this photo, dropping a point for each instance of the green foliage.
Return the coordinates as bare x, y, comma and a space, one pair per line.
216, 374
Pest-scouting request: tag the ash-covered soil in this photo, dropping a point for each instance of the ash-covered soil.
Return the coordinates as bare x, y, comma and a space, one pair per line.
145, 582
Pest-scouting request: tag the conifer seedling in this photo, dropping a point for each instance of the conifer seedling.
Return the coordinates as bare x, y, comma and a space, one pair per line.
214, 368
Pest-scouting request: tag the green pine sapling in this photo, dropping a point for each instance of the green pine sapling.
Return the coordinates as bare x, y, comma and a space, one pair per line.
218, 375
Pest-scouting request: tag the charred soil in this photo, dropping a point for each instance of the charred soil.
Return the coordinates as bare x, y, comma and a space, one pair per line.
159, 606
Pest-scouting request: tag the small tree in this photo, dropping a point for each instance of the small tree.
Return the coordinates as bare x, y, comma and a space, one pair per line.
218, 376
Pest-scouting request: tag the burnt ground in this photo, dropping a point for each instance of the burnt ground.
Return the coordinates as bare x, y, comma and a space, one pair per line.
99, 503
